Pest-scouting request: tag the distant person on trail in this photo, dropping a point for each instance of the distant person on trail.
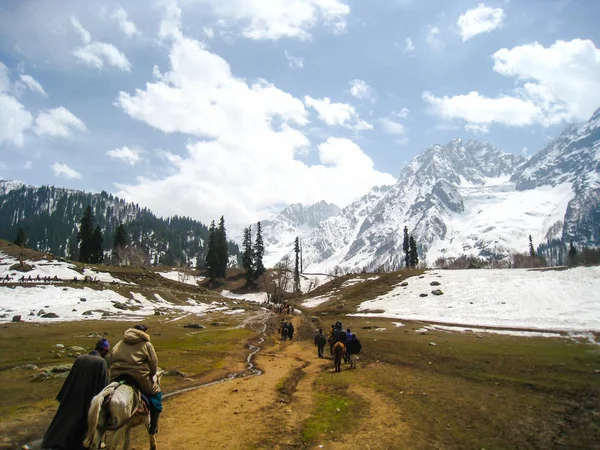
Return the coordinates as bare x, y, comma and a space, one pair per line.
290, 330
88, 376
320, 341
353, 347
339, 335
134, 361
330, 339
348, 337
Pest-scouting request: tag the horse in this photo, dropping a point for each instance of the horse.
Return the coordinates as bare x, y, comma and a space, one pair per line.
284, 333
119, 408
339, 349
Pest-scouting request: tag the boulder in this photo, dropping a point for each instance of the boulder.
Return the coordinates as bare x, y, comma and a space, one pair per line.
404, 283
121, 306
436, 292
26, 367
435, 283
193, 325
423, 295
76, 348
433, 344
16, 318
83, 300
87, 313
41, 312
50, 315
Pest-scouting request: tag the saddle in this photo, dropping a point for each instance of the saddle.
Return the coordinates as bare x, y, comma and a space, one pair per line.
143, 401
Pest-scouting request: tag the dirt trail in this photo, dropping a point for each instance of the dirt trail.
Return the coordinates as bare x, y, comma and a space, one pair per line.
266, 411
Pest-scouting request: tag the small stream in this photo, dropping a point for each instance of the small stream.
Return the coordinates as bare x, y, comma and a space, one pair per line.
250, 371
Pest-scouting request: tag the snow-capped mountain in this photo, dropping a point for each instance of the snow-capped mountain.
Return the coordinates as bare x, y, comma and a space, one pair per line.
470, 198
294, 221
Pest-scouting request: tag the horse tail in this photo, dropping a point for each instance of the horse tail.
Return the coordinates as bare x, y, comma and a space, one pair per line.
94, 414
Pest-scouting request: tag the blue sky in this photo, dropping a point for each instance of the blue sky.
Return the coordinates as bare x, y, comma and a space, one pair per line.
239, 107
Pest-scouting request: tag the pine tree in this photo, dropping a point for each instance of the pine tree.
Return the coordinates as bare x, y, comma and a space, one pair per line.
259, 252
120, 242
97, 247
531, 249
413, 254
297, 266
85, 234
211, 252
222, 250
406, 248
572, 255
247, 256
21, 239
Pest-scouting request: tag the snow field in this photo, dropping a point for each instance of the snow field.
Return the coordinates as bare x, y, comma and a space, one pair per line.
557, 300
176, 276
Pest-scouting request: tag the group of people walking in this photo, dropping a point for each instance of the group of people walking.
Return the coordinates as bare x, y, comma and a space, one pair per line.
133, 360
337, 334
286, 331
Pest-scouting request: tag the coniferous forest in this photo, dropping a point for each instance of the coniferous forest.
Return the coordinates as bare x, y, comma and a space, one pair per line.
50, 218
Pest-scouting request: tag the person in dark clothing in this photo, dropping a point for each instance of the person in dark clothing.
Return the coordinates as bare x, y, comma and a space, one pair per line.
320, 341
339, 335
88, 376
290, 330
348, 337
353, 347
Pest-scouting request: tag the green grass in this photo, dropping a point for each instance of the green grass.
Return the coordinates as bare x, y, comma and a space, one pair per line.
491, 392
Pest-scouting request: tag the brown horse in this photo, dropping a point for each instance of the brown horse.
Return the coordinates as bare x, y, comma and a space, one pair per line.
339, 350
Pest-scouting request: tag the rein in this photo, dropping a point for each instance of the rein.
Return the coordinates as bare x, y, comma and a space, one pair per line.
138, 394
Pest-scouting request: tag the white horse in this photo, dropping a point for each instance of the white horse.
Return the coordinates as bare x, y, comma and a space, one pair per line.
120, 415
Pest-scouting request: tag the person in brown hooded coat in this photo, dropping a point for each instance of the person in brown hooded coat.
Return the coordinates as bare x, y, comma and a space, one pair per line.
134, 360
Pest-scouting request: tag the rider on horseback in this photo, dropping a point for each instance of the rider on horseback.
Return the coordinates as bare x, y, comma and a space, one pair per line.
134, 360
338, 335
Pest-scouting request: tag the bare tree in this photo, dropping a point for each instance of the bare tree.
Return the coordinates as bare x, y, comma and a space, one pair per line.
133, 256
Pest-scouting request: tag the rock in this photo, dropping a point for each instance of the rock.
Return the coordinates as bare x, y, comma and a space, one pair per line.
65, 289
422, 276
83, 300
433, 344
87, 313
337, 409
194, 325
105, 314
26, 367
121, 306
61, 346
60, 368
32, 313
217, 324
41, 312
50, 315
435, 283
73, 309
157, 313
76, 348
423, 295
436, 292
94, 336
16, 318
404, 283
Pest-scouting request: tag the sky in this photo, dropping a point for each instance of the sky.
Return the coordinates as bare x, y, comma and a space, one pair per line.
206, 108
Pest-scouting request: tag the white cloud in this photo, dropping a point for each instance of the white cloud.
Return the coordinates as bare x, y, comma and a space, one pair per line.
408, 46
16, 120
392, 127
337, 114
208, 32
96, 54
476, 128
559, 83
86, 38
294, 62
126, 25
276, 19
403, 113
28, 165
132, 156
244, 163
57, 122
62, 170
33, 84
432, 38
481, 19
360, 89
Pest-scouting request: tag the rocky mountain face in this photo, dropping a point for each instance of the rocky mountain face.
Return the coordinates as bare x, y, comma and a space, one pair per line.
294, 221
50, 217
470, 198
